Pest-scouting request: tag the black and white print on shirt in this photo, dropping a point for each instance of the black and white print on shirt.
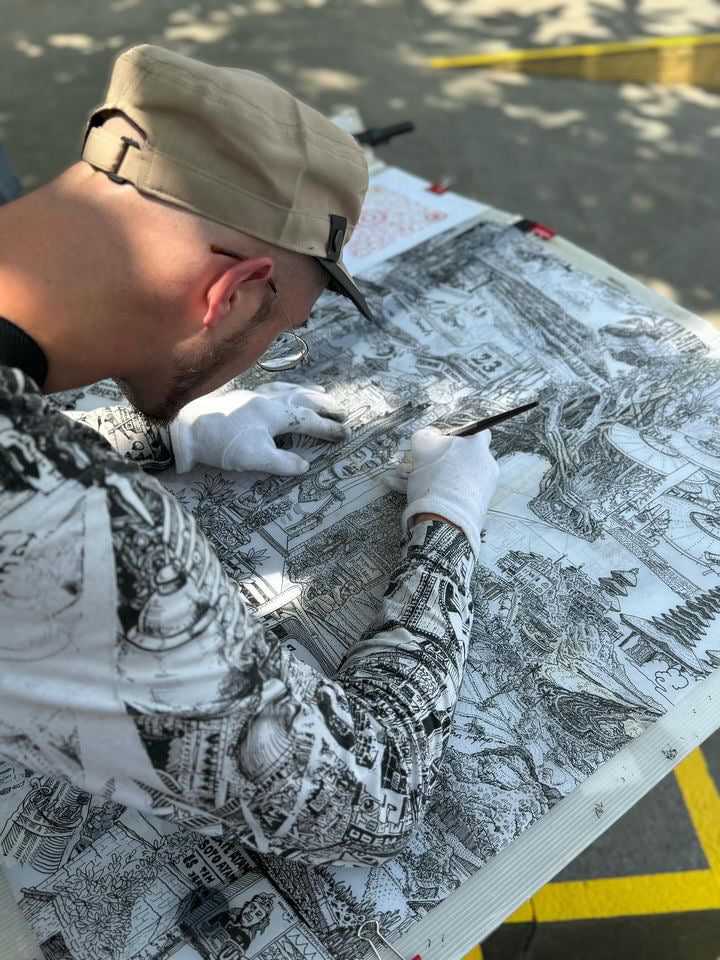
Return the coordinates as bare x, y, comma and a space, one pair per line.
596, 603
171, 697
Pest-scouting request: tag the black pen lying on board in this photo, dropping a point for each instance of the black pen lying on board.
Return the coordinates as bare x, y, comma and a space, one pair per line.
488, 422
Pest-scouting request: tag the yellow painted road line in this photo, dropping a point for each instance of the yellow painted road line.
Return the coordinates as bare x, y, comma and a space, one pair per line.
683, 891
648, 895
475, 954
703, 804
577, 50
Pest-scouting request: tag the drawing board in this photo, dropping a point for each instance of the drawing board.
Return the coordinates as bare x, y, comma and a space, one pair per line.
596, 605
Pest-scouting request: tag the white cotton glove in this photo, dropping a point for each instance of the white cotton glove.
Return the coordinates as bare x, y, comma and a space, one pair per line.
235, 430
453, 477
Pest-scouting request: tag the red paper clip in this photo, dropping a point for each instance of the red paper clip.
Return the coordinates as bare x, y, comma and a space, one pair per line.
541, 230
440, 186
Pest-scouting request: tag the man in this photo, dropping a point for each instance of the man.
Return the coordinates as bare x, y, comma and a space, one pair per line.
208, 212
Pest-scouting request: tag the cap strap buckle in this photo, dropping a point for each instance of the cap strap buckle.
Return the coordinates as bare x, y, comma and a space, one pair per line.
113, 175
336, 237
108, 152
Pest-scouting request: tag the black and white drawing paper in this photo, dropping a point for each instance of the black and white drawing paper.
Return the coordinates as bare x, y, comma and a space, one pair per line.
596, 596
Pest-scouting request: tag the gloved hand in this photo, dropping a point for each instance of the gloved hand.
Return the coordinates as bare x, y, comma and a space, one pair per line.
235, 430
453, 477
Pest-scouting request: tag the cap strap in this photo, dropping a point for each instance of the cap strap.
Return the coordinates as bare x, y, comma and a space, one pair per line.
118, 157
336, 238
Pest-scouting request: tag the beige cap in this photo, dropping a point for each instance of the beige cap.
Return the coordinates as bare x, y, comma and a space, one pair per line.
234, 147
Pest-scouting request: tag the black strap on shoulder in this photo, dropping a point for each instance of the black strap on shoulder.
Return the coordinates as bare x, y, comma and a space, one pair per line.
17, 349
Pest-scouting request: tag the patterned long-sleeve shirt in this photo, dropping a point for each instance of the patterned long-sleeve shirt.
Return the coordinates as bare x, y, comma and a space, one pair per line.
131, 666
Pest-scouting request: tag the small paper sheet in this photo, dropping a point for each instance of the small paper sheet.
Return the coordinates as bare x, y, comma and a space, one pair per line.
399, 213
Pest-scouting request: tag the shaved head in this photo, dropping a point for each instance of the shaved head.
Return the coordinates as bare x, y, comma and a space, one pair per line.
146, 287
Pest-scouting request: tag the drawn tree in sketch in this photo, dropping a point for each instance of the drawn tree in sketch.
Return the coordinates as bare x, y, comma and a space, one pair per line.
581, 484
97, 898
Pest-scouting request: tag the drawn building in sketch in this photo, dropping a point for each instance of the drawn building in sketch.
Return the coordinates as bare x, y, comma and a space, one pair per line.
674, 636
41, 828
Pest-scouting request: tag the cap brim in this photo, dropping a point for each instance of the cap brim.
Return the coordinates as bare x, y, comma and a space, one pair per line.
341, 282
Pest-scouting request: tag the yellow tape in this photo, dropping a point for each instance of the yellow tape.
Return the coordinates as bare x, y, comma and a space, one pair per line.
475, 954
579, 50
703, 804
647, 894
679, 892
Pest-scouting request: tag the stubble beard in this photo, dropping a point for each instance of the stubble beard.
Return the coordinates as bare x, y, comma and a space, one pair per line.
187, 378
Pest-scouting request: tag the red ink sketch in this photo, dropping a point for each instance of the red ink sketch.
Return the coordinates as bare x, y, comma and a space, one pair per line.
387, 217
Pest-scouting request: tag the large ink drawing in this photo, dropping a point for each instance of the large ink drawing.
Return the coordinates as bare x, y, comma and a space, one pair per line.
597, 599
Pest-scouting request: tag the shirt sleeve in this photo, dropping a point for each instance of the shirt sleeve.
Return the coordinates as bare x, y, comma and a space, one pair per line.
135, 437
244, 739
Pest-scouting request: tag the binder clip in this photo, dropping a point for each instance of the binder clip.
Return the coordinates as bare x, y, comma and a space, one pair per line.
370, 931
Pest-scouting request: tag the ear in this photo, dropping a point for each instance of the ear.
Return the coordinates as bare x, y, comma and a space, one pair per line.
243, 277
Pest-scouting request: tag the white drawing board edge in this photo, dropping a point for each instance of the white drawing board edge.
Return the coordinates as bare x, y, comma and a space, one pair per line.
17, 941
483, 902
